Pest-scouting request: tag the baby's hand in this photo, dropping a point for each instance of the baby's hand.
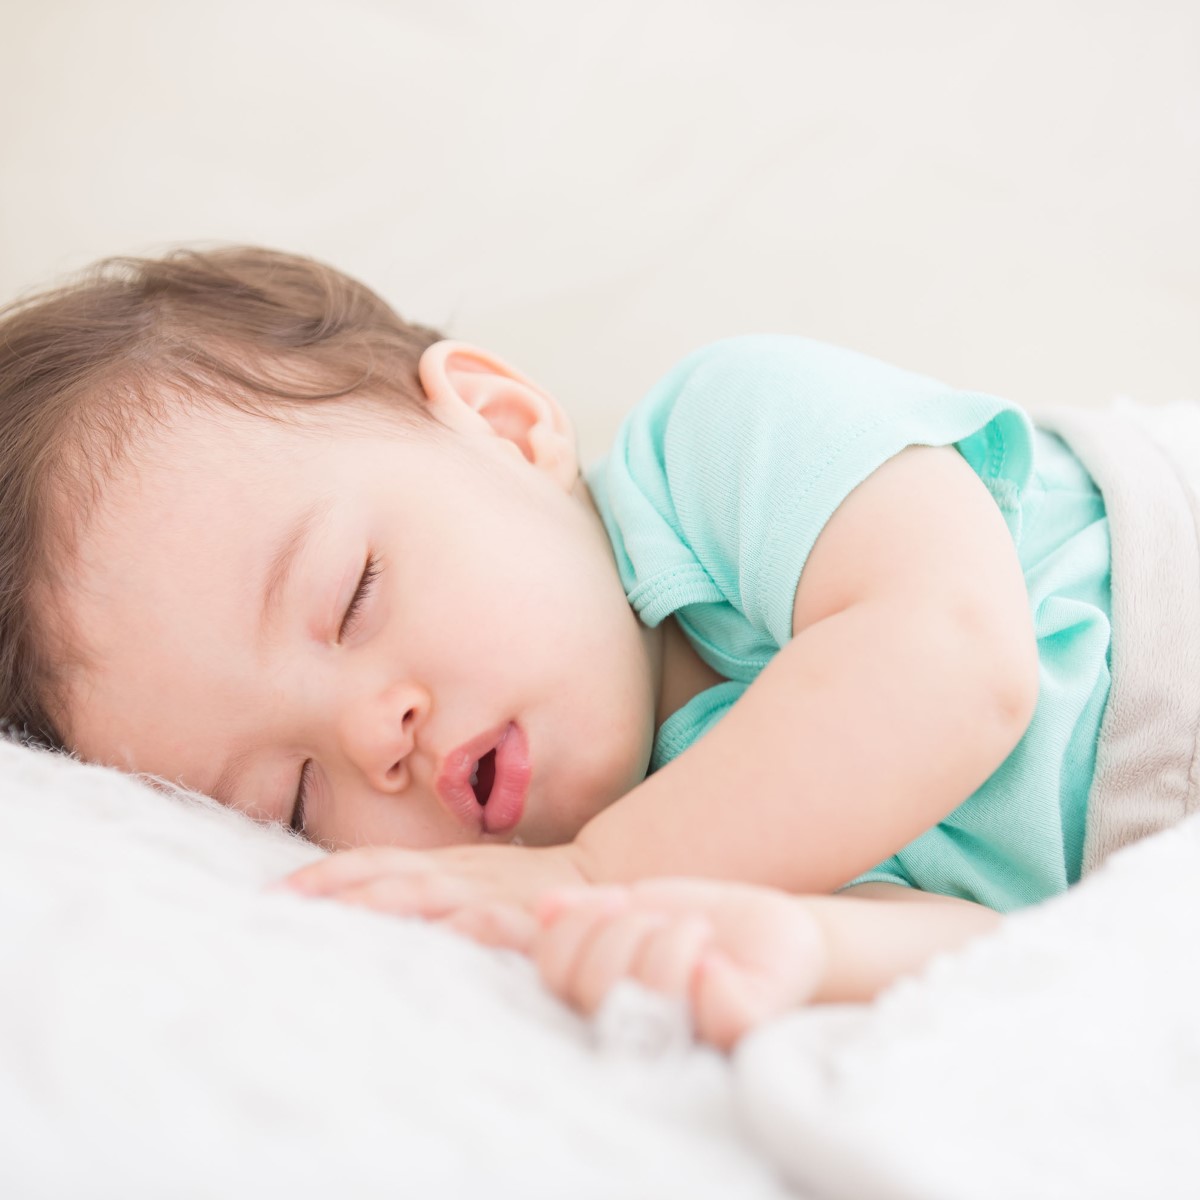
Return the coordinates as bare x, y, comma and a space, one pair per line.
736, 954
477, 889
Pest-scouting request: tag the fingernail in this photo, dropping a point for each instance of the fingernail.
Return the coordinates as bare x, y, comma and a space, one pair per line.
551, 904
555, 902
287, 884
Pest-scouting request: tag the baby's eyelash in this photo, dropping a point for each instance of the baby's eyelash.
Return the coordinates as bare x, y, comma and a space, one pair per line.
297, 821
350, 618
369, 576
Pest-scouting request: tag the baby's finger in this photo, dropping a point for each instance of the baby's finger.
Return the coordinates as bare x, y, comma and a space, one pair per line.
607, 956
553, 903
423, 894
495, 924
727, 1001
669, 957
558, 946
349, 868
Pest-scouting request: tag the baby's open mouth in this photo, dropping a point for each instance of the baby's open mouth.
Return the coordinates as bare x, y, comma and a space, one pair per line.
484, 776
487, 793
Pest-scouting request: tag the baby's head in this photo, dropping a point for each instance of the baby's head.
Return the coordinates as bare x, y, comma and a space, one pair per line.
259, 535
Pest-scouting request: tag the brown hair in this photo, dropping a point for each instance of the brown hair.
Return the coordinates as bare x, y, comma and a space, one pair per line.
84, 366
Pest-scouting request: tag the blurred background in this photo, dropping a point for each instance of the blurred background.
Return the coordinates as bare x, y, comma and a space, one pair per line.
1006, 196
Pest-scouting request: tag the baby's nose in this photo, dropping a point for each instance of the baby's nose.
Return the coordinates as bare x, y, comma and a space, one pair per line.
379, 735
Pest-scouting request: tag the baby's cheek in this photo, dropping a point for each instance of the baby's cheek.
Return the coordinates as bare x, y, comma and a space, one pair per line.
408, 821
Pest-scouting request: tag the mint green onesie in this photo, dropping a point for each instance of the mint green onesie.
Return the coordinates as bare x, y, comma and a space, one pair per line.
713, 496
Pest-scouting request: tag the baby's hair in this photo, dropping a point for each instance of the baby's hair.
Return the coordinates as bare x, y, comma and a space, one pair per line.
87, 367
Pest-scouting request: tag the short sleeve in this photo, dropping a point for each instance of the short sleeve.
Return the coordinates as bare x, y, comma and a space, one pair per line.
721, 481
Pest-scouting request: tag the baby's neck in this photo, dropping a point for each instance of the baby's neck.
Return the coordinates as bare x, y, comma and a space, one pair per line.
684, 673
680, 673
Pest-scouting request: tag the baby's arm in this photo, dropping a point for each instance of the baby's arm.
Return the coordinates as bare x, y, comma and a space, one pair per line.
911, 675
739, 955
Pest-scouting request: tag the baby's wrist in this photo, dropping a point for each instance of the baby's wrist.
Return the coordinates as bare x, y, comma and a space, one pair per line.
584, 856
565, 866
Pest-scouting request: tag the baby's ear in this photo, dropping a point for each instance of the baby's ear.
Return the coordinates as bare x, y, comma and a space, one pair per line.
464, 385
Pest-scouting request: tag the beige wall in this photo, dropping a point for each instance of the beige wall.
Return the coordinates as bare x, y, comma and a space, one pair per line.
1007, 195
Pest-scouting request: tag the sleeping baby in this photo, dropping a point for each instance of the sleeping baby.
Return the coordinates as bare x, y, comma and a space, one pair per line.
800, 686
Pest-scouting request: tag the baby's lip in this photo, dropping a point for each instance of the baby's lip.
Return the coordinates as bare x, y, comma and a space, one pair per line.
513, 768
453, 779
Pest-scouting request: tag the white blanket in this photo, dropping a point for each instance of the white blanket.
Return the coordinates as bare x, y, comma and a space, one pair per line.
1057, 1058
172, 1029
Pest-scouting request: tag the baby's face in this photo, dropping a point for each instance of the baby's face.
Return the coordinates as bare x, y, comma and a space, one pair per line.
372, 610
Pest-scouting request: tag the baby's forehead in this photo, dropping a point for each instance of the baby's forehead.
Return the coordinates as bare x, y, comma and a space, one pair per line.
180, 471
211, 430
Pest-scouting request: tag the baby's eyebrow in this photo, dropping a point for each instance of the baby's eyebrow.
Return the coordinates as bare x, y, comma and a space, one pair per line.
284, 559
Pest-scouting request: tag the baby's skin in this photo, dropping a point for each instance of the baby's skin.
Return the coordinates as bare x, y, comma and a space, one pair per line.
735, 954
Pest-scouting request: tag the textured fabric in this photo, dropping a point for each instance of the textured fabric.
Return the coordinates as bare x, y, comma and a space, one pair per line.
1147, 462
715, 491
1058, 1057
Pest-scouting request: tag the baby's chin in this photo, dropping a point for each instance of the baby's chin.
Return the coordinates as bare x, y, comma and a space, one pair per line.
598, 801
